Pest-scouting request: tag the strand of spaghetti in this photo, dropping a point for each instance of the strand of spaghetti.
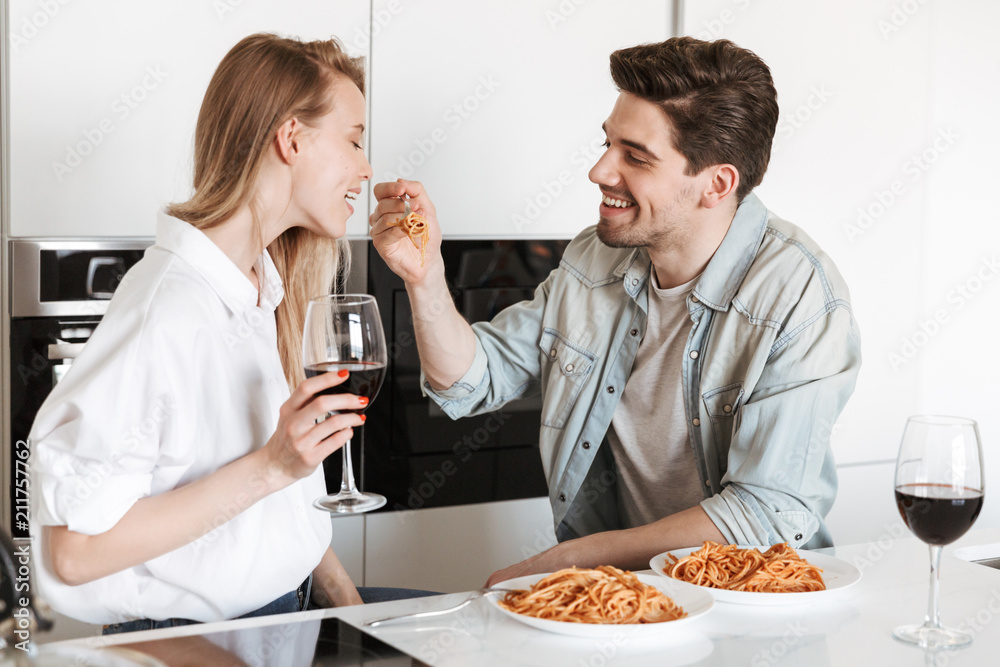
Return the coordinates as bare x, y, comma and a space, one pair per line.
780, 569
415, 226
602, 595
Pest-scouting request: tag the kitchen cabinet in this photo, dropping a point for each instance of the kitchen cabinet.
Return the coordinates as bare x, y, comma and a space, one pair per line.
450, 549
104, 97
853, 112
497, 107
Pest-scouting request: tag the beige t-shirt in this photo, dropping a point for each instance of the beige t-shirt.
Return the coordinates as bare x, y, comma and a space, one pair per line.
648, 435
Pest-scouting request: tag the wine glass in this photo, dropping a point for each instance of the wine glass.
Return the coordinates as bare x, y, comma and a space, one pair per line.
344, 332
939, 492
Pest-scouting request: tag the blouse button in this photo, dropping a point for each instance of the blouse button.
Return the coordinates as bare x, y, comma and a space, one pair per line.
727, 408
569, 368
696, 421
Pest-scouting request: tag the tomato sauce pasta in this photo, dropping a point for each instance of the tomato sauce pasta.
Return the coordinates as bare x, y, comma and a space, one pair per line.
603, 595
415, 226
778, 570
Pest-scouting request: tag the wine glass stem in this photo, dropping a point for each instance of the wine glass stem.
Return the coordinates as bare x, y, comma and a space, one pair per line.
347, 484
933, 619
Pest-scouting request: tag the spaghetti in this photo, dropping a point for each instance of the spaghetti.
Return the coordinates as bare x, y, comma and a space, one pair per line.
415, 226
603, 595
778, 570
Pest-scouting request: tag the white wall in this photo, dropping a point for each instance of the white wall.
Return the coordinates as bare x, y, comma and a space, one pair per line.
886, 109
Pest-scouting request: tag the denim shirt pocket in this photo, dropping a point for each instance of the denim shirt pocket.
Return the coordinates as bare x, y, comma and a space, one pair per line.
565, 368
723, 407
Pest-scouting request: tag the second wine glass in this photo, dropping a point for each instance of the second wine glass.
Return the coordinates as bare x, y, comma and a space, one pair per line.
344, 332
939, 492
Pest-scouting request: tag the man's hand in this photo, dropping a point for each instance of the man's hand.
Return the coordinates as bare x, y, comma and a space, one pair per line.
550, 560
398, 250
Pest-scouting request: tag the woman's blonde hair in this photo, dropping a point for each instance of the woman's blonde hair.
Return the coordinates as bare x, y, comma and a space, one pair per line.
262, 82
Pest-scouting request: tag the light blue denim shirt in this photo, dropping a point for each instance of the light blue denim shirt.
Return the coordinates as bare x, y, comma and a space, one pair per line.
772, 357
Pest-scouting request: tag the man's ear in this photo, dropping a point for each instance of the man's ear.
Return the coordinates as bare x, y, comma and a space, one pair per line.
286, 140
725, 180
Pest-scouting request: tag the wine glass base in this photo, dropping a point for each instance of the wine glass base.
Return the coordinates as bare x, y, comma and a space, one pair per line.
927, 636
350, 503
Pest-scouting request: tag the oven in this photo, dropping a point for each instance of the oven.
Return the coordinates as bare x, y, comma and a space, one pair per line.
58, 292
413, 453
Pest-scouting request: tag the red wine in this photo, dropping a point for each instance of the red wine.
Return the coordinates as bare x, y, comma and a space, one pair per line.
364, 380
938, 513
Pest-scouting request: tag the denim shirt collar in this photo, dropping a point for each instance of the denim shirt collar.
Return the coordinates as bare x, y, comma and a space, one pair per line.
729, 265
725, 271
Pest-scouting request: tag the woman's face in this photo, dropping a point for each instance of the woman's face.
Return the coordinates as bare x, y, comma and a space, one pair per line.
332, 164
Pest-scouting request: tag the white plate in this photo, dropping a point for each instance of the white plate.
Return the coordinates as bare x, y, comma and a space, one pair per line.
693, 599
837, 574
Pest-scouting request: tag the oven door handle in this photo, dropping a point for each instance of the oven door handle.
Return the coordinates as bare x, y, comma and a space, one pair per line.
62, 351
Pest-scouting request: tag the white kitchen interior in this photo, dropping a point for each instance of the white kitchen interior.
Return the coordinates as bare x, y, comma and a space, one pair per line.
884, 142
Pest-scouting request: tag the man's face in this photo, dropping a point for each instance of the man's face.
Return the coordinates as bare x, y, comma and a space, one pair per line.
647, 200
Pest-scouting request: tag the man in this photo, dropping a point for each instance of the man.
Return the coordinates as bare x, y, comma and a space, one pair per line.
693, 350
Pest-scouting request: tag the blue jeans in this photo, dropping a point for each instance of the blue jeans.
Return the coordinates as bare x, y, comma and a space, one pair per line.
289, 602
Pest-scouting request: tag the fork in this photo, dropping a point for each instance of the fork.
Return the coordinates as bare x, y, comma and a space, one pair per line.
483, 592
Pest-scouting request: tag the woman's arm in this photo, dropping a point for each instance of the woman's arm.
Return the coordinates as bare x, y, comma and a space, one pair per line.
158, 524
331, 586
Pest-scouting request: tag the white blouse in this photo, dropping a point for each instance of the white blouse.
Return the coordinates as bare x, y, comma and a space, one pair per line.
181, 377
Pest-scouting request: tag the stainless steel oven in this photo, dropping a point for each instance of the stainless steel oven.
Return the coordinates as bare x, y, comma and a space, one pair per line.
58, 292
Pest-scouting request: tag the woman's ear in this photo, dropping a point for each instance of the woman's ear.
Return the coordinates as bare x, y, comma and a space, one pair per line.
286, 141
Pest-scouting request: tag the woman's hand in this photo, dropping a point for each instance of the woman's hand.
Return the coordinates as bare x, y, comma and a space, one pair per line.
305, 435
392, 243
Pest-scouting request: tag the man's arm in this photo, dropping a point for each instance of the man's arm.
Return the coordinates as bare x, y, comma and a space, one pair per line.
629, 549
445, 341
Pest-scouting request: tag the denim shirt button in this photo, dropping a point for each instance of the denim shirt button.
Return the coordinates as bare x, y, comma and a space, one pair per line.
634, 332
707, 483
562, 497
569, 368
727, 408
553, 353
696, 421
798, 536
635, 281
611, 390
694, 354
586, 445
694, 299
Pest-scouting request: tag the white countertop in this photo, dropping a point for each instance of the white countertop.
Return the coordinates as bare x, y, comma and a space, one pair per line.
852, 630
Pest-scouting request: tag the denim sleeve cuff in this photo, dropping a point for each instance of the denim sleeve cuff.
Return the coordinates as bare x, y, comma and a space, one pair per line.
737, 516
461, 392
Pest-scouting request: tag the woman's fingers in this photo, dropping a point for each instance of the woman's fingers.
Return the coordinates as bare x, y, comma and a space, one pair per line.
309, 387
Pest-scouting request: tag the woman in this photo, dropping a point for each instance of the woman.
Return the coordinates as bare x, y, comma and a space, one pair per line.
174, 471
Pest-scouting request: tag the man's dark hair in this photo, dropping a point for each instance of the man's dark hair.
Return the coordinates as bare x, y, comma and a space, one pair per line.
719, 98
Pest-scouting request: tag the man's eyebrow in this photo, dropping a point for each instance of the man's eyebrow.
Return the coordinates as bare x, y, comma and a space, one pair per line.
633, 144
